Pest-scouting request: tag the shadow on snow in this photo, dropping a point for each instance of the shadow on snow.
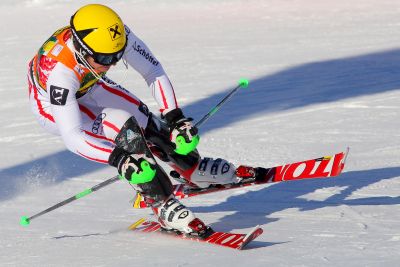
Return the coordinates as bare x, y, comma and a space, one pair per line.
312, 83
43, 171
307, 84
259, 205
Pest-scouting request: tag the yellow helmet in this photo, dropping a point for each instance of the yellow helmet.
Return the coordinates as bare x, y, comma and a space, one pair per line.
99, 32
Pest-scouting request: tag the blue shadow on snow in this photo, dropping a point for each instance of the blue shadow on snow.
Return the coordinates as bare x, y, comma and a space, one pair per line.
303, 85
258, 205
43, 171
307, 84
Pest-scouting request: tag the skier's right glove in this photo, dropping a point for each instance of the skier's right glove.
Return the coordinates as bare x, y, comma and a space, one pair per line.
182, 132
136, 168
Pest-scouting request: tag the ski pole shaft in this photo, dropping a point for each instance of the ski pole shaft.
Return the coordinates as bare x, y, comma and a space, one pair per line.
26, 220
242, 83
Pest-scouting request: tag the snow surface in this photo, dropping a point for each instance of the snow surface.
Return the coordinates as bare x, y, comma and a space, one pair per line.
324, 75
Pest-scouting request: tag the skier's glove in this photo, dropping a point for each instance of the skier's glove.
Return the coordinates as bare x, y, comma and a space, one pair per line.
183, 134
136, 168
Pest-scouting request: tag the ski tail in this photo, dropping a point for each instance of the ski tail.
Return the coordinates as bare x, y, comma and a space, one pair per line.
253, 234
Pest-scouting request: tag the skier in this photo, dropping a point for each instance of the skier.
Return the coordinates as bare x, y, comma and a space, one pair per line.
103, 122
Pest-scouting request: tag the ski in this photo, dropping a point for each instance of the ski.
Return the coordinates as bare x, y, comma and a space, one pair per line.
322, 167
224, 239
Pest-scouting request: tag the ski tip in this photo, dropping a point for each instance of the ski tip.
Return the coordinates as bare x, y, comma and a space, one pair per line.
243, 83
24, 221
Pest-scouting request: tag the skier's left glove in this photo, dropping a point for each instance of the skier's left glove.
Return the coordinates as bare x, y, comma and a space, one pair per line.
182, 132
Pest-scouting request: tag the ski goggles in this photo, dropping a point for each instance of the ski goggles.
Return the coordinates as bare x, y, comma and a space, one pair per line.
107, 59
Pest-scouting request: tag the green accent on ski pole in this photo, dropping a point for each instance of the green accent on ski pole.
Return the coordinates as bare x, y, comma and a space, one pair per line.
244, 83
24, 221
145, 176
184, 148
214, 110
83, 193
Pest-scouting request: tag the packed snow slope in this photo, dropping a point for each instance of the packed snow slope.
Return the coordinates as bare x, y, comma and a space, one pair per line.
324, 75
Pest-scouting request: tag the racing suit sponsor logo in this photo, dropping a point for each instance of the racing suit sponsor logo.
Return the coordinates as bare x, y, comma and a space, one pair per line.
58, 95
142, 51
114, 84
97, 123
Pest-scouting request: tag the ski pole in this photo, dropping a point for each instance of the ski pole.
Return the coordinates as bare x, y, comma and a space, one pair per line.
183, 147
242, 83
26, 220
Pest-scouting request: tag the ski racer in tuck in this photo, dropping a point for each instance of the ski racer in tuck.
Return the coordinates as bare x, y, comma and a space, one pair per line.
99, 120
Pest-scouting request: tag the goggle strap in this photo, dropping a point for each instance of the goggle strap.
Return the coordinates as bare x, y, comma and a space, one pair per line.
90, 68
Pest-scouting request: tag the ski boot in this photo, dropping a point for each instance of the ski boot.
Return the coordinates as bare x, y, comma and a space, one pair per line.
210, 172
175, 217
